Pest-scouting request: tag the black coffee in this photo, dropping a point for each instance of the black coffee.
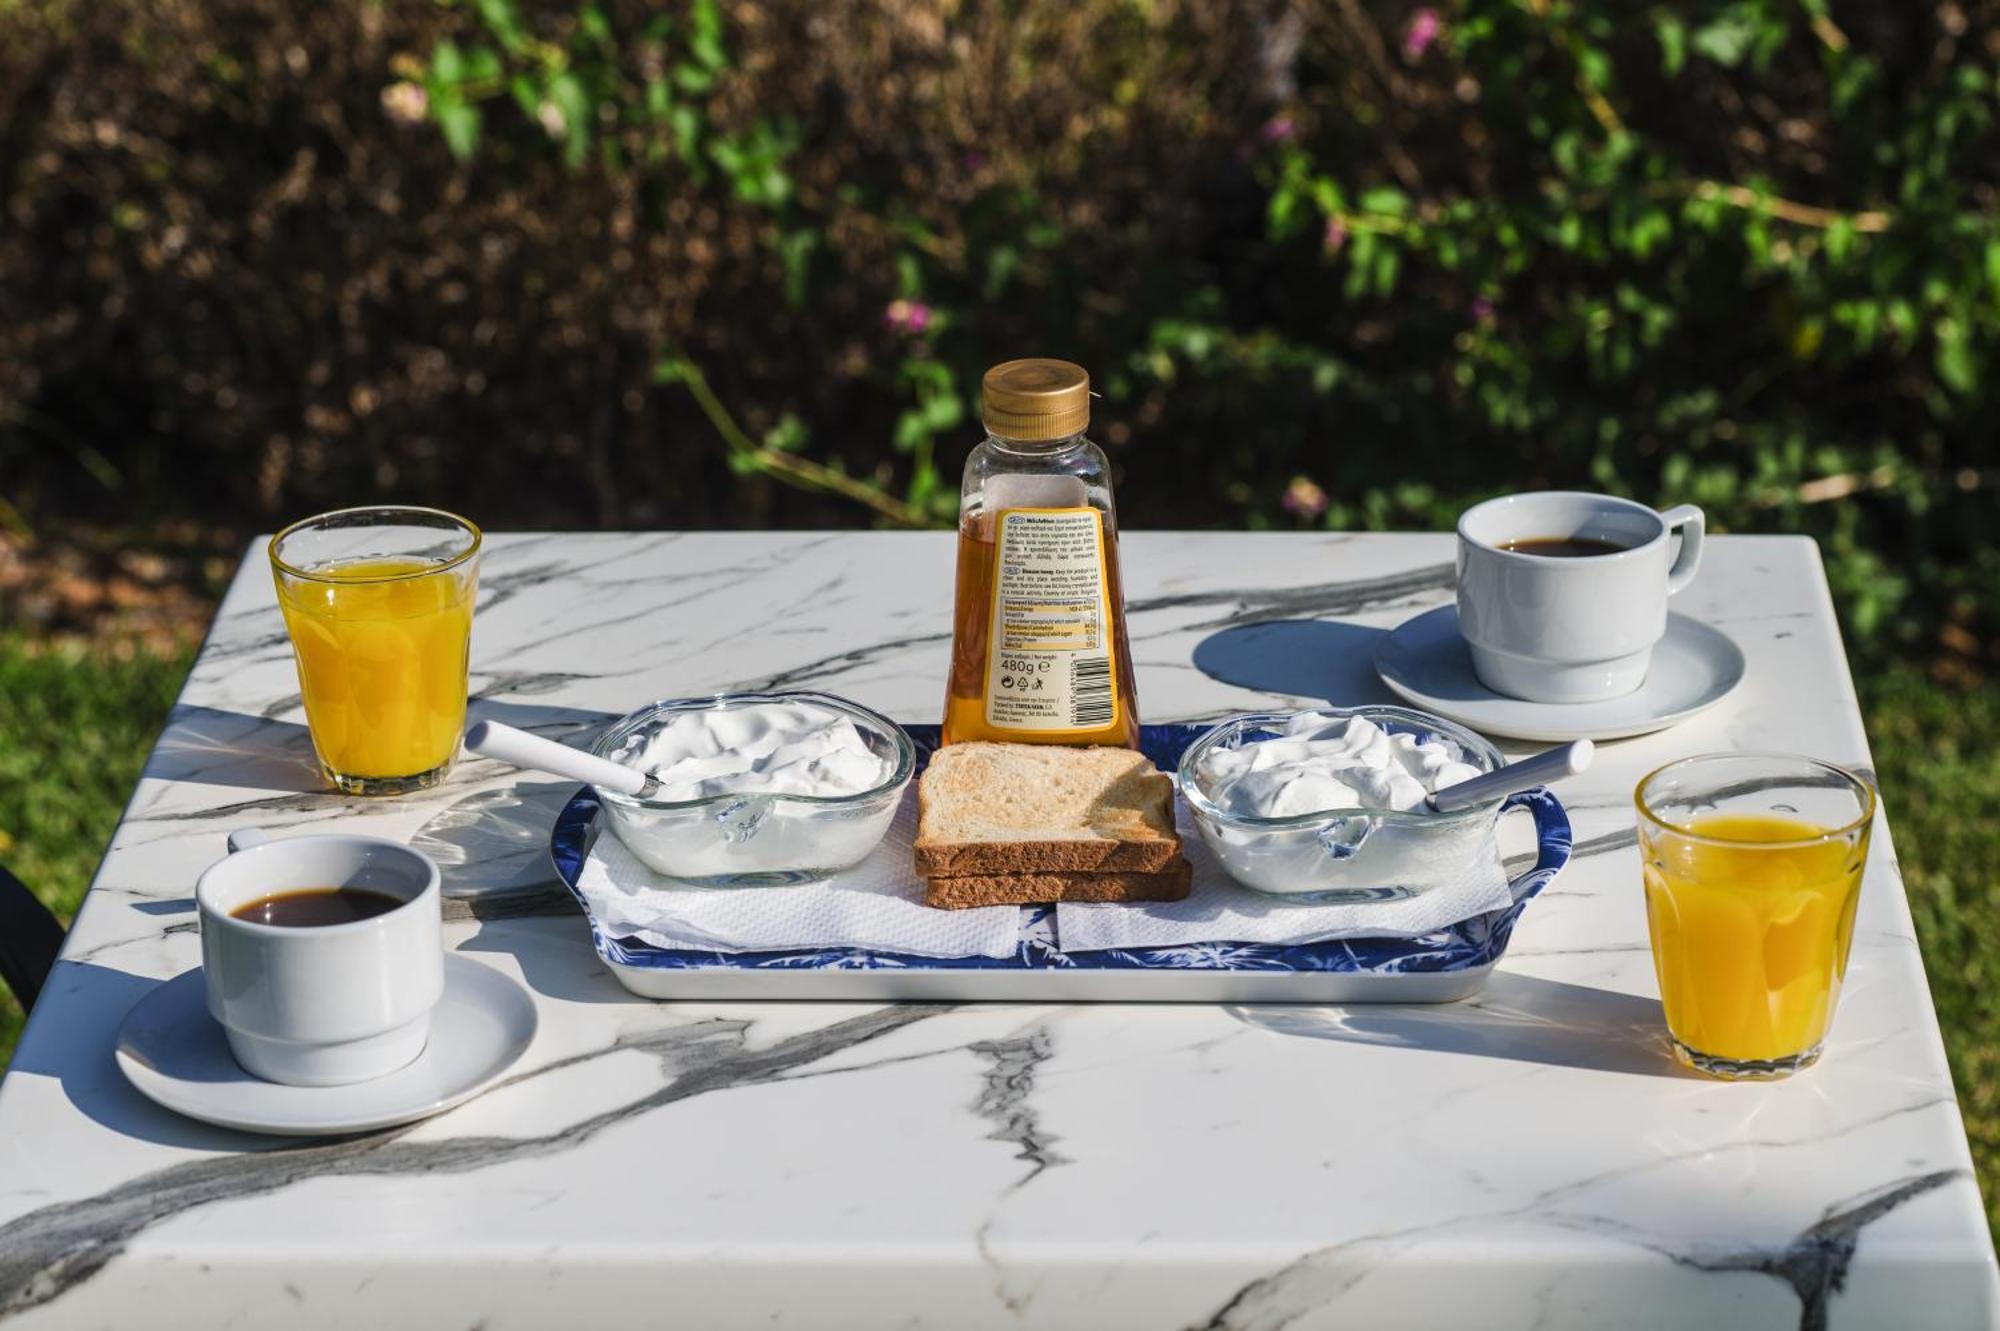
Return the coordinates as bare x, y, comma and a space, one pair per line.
307, 907
1563, 547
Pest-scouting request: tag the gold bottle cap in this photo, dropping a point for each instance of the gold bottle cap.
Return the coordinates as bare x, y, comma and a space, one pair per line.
1035, 399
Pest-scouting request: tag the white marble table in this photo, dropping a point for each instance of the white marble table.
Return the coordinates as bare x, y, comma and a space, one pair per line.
1529, 1158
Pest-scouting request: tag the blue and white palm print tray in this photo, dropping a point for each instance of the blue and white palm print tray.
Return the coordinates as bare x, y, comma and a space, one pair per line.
1435, 968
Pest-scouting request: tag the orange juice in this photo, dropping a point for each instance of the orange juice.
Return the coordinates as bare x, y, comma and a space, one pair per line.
382, 651
1751, 917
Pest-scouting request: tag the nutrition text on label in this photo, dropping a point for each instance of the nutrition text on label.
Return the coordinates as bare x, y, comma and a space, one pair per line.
1051, 588
1050, 665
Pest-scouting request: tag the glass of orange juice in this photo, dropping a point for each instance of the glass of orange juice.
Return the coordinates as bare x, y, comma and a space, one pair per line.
1753, 870
378, 603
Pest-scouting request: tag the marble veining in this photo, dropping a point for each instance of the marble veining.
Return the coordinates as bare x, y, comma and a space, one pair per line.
1530, 1157
46, 1251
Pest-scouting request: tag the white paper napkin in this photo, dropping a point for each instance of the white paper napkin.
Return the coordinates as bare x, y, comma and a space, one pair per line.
877, 905
1219, 910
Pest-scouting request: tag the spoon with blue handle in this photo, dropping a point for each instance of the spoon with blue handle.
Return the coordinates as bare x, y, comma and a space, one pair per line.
1549, 765
518, 747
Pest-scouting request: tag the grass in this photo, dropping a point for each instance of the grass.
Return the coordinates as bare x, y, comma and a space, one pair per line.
1937, 754
75, 726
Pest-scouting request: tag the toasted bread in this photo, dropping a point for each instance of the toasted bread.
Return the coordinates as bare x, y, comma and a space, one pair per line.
987, 809
1029, 889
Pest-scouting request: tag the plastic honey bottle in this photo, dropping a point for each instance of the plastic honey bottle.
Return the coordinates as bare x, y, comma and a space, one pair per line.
1038, 652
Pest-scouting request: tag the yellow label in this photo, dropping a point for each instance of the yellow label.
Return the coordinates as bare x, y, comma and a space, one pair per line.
1048, 662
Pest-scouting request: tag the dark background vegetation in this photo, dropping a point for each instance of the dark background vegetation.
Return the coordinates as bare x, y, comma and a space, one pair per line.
729, 263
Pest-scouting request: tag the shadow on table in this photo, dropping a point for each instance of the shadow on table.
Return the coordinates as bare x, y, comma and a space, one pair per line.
224, 748
93, 1001
1517, 1017
1306, 658
565, 725
495, 843
220, 748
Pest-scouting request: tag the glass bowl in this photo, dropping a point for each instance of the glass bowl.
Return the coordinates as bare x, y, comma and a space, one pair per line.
1336, 856
754, 839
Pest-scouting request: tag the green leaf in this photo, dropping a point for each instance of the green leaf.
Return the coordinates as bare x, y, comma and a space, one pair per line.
692, 78
942, 412
1727, 39
1956, 366
1385, 200
503, 21
459, 122
788, 435
567, 92
796, 248
527, 94
1283, 215
910, 431
482, 63
1673, 39
659, 97
1388, 262
447, 64
705, 35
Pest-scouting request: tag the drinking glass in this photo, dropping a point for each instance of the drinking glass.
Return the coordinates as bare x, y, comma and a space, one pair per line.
378, 603
1753, 870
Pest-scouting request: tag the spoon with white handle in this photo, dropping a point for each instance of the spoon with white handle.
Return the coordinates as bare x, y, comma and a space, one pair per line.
545, 755
1539, 770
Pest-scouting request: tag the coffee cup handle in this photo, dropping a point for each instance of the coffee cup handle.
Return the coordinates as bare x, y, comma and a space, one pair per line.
243, 838
1692, 525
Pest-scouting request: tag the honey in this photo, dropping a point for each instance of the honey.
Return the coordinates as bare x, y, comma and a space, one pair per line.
1039, 650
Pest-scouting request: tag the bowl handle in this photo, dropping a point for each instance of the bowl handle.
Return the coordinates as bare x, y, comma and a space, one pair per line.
742, 819
1553, 838
1342, 837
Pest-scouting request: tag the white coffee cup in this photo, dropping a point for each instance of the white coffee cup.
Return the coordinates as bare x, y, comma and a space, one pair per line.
322, 1005
1565, 629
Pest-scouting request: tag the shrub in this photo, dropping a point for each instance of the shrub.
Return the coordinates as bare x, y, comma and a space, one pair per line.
736, 264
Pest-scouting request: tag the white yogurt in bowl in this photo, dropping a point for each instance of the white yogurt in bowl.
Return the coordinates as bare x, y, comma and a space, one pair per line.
1324, 761
757, 789
772, 748
1328, 806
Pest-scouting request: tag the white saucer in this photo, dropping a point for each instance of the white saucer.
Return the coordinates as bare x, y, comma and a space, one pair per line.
176, 1054
1426, 661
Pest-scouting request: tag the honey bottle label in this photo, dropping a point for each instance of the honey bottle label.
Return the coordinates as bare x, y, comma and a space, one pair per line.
1049, 665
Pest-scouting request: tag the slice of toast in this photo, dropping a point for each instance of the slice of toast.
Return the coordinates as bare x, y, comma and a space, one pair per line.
1032, 889
987, 808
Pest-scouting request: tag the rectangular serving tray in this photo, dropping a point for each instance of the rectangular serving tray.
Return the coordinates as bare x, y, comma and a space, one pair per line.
1437, 968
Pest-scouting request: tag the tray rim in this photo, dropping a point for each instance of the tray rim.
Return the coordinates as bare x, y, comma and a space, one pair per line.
1468, 949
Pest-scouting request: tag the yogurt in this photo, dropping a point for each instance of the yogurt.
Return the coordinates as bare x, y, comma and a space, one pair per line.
789, 748
1326, 762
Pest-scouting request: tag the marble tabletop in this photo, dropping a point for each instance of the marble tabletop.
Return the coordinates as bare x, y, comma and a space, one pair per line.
1530, 1157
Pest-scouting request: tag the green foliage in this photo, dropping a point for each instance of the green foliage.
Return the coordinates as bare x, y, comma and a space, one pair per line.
75, 725
1937, 754
1744, 254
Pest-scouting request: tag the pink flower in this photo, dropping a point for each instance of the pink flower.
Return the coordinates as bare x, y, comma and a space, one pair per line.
406, 103
1335, 237
1425, 28
1304, 499
1278, 129
907, 316
1482, 308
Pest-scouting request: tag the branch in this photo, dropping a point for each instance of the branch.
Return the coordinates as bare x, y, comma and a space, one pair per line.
799, 471
1601, 109
1785, 210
